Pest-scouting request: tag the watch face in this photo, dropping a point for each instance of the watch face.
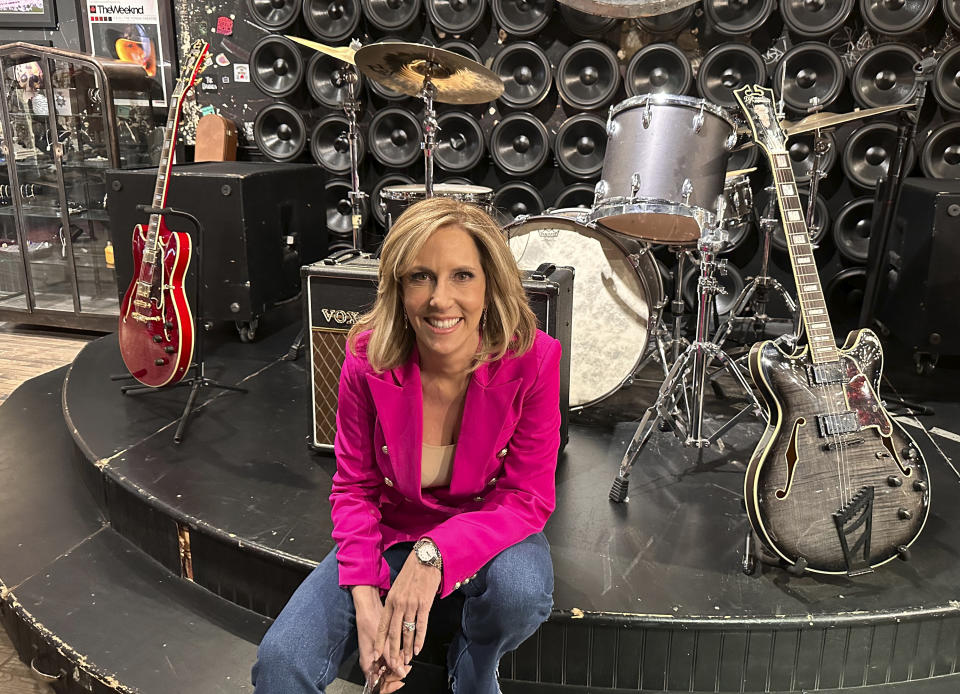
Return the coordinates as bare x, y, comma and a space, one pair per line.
426, 553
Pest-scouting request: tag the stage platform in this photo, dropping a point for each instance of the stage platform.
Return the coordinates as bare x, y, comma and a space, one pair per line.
199, 544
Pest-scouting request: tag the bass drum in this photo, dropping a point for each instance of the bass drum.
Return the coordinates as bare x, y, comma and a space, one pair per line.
617, 297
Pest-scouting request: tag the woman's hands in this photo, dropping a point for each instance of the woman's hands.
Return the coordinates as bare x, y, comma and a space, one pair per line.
408, 601
369, 609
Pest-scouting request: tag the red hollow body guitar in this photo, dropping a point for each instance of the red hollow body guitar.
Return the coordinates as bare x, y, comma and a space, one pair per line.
156, 327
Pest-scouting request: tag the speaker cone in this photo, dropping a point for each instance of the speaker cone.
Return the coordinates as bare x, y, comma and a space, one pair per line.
580, 145
802, 156
658, 68
517, 198
576, 195
584, 24
815, 18
326, 80
280, 132
276, 66
867, 153
940, 157
391, 15
461, 144
736, 17
525, 71
331, 21
395, 137
668, 22
813, 70
588, 74
336, 202
464, 48
951, 10
519, 144
851, 229
376, 205
274, 14
731, 282
946, 80
330, 144
884, 76
456, 16
896, 17
522, 17
743, 158
726, 67
844, 294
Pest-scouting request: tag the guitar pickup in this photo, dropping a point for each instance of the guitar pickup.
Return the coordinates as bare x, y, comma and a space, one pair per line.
837, 424
843, 443
825, 374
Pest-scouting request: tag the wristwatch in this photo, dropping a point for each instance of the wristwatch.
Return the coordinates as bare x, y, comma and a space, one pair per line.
427, 553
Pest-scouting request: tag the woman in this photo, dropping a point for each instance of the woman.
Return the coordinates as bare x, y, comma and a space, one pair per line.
447, 437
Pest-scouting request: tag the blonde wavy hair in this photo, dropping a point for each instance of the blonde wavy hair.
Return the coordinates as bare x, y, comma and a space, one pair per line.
510, 323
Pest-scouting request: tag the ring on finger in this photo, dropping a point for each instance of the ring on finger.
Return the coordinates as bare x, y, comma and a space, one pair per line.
410, 626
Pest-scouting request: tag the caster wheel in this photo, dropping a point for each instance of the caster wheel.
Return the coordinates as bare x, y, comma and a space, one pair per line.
924, 364
248, 329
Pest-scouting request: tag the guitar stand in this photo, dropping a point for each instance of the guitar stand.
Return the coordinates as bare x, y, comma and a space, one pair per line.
679, 402
199, 379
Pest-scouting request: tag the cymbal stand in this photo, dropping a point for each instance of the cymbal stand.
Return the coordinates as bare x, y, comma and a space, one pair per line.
430, 130
755, 294
679, 402
350, 106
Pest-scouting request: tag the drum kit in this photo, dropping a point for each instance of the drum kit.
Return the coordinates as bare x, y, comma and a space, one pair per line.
664, 184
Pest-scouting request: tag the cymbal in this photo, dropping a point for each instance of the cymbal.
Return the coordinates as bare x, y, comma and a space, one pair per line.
403, 66
828, 120
344, 53
627, 9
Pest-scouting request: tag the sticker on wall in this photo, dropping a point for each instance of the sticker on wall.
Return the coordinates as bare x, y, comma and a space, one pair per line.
224, 26
208, 84
241, 72
207, 110
222, 60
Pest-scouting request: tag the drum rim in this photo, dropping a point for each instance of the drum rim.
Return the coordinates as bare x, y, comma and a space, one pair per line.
387, 192
650, 275
664, 99
620, 202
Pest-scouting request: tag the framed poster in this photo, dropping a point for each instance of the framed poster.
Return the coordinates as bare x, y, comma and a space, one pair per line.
28, 14
135, 31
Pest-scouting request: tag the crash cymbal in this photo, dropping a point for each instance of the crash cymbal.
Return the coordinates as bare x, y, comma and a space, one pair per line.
627, 9
403, 66
344, 53
828, 120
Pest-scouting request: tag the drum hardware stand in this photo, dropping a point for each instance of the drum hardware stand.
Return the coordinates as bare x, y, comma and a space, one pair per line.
350, 106
199, 379
684, 385
430, 130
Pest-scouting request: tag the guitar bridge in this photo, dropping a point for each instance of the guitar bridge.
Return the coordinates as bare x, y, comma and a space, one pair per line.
844, 443
854, 523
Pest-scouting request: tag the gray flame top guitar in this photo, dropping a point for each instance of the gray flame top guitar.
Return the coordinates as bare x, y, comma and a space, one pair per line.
835, 484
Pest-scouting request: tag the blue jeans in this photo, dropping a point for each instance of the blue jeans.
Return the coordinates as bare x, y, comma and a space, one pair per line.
316, 631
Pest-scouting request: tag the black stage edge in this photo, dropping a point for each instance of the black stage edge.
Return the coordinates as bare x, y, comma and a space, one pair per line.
79, 601
649, 594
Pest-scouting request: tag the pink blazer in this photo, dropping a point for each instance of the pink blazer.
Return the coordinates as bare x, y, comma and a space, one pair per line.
502, 489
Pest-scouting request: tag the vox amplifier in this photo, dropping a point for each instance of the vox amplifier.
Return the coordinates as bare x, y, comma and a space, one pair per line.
340, 288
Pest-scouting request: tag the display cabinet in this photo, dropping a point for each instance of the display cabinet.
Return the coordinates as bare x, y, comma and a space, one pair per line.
65, 119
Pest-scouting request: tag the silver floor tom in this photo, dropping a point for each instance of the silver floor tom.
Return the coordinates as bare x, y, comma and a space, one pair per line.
395, 199
664, 167
617, 297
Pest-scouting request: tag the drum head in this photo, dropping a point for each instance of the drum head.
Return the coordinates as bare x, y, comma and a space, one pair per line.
614, 304
418, 191
653, 222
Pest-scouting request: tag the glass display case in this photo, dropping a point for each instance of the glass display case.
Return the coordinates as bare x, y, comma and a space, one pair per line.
65, 119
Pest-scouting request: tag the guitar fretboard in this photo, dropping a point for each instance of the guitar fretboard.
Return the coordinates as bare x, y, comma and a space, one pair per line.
813, 307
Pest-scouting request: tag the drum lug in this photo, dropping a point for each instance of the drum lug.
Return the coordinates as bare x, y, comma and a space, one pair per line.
647, 114
731, 141
612, 127
686, 190
699, 119
600, 191
634, 185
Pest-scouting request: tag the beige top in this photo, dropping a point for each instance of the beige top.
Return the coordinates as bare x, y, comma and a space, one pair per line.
436, 466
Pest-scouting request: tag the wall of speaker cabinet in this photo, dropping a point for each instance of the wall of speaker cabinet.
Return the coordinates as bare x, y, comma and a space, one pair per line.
541, 145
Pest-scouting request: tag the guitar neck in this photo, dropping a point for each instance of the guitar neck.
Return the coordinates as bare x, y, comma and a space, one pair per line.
813, 306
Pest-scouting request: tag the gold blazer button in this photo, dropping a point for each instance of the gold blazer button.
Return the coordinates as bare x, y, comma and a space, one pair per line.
387, 481
384, 449
502, 453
